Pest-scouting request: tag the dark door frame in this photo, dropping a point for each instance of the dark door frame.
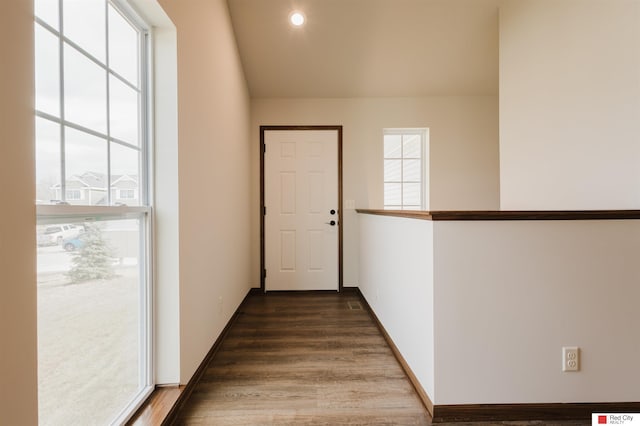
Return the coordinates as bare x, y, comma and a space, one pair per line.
262, 206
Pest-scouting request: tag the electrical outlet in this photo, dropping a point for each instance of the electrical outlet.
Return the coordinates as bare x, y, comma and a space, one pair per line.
570, 358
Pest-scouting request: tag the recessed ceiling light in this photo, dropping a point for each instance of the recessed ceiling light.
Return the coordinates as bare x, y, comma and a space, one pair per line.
296, 18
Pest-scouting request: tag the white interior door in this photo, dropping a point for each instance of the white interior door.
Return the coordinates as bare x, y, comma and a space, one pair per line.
301, 200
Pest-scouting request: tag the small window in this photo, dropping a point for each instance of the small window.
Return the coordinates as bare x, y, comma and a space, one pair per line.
405, 180
74, 194
128, 194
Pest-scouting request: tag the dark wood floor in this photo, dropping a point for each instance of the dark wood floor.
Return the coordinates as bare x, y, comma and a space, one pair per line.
307, 358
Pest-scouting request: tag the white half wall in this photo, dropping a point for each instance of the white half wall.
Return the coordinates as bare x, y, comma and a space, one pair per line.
18, 302
569, 104
396, 279
464, 160
214, 164
510, 295
481, 310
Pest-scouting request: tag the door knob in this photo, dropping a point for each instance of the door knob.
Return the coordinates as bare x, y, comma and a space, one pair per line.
332, 211
332, 223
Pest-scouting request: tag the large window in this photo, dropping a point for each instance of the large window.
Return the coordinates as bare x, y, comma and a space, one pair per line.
405, 177
93, 205
90, 100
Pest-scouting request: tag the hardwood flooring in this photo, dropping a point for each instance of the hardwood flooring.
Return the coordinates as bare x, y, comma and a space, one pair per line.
304, 358
156, 409
308, 359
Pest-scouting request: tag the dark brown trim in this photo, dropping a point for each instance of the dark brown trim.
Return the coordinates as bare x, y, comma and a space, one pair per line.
262, 206
498, 215
298, 292
340, 215
540, 412
424, 397
262, 264
172, 416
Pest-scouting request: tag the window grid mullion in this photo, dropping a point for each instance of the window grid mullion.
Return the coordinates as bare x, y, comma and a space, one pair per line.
99, 63
61, 88
421, 193
402, 171
80, 128
47, 27
88, 55
125, 144
108, 86
124, 80
144, 190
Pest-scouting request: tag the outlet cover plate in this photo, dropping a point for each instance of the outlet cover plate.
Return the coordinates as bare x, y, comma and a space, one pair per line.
570, 358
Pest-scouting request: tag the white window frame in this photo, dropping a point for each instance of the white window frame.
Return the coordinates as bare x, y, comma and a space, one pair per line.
424, 168
145, 48
62, 212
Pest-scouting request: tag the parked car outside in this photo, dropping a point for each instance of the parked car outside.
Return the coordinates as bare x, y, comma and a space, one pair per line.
75, 243
56, 234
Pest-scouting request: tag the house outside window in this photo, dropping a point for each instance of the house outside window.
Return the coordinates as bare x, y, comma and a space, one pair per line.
405, 169
127, 194
74, 194
92, 145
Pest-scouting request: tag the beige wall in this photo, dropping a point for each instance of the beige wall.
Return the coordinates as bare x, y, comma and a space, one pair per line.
463, 153
570, 104
214, 175
18, 362
510, 295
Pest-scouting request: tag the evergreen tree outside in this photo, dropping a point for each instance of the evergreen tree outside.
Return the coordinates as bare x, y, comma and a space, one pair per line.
94, 259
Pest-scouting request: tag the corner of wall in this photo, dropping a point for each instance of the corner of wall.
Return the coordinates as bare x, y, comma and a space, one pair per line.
18, 297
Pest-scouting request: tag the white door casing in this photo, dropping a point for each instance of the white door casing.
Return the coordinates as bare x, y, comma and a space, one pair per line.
301, 246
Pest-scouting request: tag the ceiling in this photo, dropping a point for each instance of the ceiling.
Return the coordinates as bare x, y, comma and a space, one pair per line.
368, 48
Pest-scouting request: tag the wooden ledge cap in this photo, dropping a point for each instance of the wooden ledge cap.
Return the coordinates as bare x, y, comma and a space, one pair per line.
497, 215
